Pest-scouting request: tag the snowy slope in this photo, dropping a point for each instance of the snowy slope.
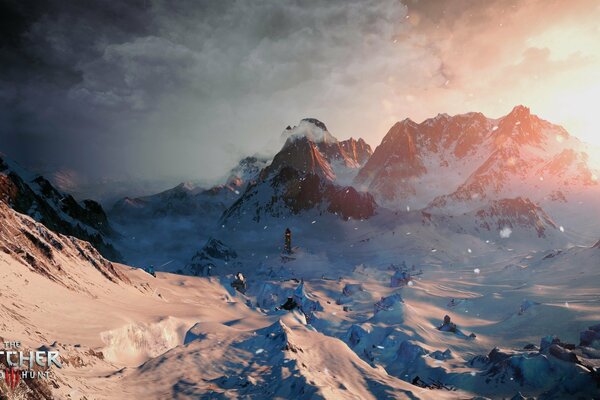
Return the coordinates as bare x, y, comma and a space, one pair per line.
304, 175
35, 196
122, 333
458, 163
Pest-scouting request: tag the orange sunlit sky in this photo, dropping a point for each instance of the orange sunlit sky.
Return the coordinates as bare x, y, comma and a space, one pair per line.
182, 90
543, 54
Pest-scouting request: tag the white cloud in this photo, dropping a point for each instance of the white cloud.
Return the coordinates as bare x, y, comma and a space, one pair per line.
505, 232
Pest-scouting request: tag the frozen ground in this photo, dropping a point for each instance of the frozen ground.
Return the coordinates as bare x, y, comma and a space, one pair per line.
173, 336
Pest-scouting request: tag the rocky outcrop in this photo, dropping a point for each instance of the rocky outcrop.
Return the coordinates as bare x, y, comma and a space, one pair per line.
48, 253
35, 196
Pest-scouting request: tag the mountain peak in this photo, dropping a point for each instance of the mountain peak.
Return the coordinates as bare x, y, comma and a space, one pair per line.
310, 128
520, 111
315, 122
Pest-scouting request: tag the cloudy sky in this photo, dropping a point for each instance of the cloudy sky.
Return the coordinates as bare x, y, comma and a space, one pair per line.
178, 90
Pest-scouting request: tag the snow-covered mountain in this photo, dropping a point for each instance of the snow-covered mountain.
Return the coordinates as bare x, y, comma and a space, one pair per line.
502, 219
35, 196
187, 199
168, 227
457, 163
332, 159
307, 174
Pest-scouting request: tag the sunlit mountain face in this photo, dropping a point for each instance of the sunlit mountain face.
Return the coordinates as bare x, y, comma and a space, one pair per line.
335, 199
165, 94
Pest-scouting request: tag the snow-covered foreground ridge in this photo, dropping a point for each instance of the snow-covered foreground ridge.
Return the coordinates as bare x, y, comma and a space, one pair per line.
370, 333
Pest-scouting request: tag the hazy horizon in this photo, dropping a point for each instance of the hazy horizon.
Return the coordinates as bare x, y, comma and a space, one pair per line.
167, 92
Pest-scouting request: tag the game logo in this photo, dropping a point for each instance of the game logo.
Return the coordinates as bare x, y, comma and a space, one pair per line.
21, 364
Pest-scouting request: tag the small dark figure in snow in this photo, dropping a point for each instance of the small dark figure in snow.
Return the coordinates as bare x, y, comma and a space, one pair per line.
287, 241
239, 283
448, 325
289, 305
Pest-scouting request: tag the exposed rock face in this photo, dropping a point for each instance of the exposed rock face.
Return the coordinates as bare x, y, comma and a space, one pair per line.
304, 175
302, 155
46, 252
450, 160
357, 150
290, 190
513, 213
410, 151
60, 212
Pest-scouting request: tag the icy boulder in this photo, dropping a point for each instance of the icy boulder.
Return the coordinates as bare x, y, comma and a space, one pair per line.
194, 333
558, 370
355, 335
591, 337
441, 355
409, 352
351, 289
526, 305
400, 278
306, 303
388, 303
271, 295
389, 309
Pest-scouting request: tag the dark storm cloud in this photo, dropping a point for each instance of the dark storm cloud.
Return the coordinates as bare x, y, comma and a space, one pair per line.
181, 89
169, 88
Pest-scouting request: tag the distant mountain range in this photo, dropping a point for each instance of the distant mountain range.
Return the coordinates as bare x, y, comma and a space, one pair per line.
466, 172
462, 161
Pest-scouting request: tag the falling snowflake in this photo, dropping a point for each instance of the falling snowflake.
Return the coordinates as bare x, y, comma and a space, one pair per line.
505, 232
411, 283
407, 208
518, 123
541, 178
433, 250
567, 304
469, 250
380, 347
259, 351
473, 373
314, 222
236, 191
562, 229
494, 128
477, 271
265, 227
